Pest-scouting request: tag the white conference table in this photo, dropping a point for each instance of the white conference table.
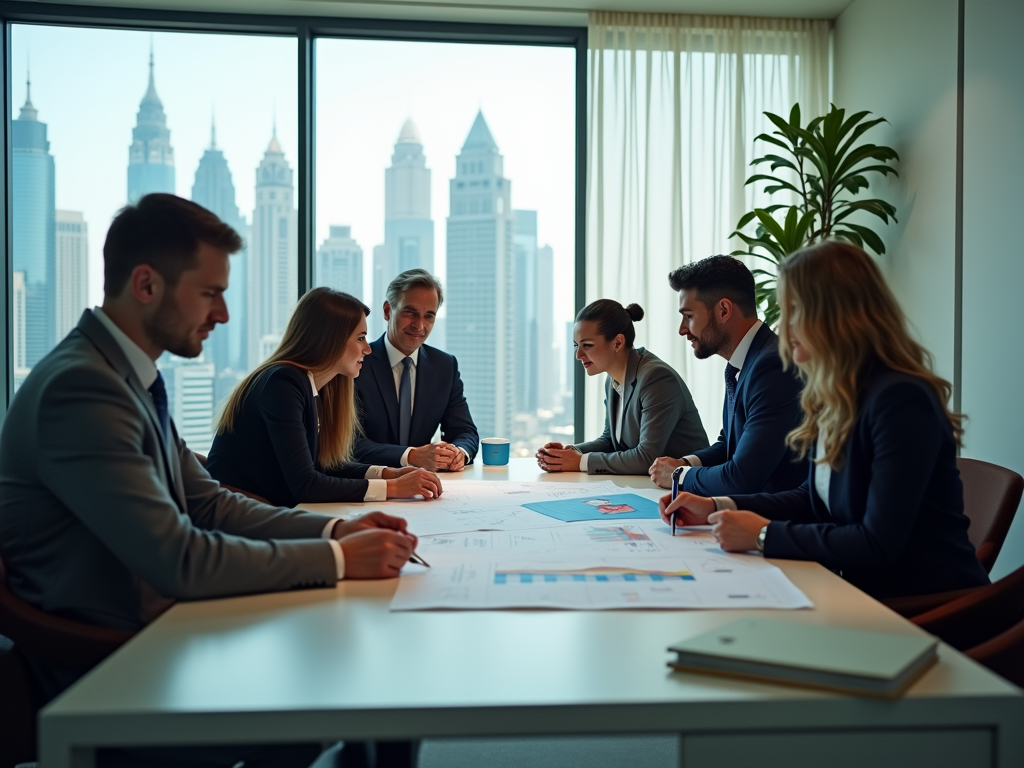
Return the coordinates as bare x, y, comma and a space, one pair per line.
329, 664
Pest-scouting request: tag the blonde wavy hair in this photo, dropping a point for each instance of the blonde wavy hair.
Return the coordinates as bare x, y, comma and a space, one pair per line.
315, 339
834, 294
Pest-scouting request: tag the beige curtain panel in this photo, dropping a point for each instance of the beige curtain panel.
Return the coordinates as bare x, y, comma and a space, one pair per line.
674, 104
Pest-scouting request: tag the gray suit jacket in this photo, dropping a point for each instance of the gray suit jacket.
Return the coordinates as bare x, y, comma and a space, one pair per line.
660, 419
104, 521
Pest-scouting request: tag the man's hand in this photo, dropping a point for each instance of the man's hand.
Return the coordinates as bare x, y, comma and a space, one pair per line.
558, 459
376, 553
414, 482
371, 521
661, 470
737, 531
689, 509
458, 462
434, 456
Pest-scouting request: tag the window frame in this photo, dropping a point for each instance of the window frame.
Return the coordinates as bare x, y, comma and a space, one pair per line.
306, 30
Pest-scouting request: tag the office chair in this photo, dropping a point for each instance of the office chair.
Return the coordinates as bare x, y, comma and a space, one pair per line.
202, 460
987, 624
991, 496
52, 641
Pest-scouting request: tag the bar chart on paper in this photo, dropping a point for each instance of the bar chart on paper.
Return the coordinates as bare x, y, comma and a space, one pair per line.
597, 575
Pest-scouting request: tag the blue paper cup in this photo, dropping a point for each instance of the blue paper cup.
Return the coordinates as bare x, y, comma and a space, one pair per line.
495, 450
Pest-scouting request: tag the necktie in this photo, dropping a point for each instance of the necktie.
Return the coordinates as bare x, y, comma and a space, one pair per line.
405, 402
159, 394
730, 387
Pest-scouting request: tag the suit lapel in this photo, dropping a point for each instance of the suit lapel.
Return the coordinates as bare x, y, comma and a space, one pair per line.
385, 379
93, 329
629, 388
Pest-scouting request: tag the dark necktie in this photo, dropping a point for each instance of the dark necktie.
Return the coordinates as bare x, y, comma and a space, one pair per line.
730, 387
405, 402
159, 393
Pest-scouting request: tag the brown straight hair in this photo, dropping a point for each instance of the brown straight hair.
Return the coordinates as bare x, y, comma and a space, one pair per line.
317, 333
835, 294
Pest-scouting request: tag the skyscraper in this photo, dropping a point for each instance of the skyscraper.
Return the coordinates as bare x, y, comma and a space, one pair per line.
214, 189
35, 228
150, 157
273, 252
340, 262
524, 369
480, 273
548, 370
72, 273
408, 226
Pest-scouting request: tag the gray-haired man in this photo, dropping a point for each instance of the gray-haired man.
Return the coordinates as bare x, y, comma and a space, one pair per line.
408, 388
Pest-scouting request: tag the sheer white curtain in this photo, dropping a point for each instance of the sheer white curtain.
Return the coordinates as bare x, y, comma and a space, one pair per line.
674, 105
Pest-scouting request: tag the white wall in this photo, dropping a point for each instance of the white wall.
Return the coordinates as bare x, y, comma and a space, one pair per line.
993, 366
899, 60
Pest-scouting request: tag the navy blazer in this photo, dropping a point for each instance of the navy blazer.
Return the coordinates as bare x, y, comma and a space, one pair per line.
438, 400
274, 446
897, 525
750, 455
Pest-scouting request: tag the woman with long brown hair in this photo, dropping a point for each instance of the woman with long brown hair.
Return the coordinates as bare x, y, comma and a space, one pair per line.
883, 505
287, 430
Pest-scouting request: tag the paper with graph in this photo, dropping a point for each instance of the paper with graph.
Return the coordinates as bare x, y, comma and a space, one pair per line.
590, 566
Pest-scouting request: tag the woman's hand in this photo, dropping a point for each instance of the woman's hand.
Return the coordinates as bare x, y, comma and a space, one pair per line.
737, 531
554, 458
689, 508
414, 481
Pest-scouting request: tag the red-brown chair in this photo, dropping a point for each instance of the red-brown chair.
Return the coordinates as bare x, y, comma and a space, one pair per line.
202, 460
987, 624
991, 497
52, 641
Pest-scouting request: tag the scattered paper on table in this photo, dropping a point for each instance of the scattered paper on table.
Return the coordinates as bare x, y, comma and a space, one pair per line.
589, 566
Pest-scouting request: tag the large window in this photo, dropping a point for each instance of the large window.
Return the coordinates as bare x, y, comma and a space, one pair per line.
460, 159
102, 117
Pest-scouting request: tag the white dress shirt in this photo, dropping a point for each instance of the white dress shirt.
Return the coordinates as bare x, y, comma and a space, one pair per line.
146, 370
616, 420
395, 358
739, 356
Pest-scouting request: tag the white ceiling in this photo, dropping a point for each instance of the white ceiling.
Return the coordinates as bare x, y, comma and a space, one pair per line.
554, 12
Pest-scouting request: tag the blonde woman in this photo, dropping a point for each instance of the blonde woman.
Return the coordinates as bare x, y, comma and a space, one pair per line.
883, 504
287, 430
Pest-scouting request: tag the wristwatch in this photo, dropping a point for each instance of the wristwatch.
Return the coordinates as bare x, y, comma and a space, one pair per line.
760, 539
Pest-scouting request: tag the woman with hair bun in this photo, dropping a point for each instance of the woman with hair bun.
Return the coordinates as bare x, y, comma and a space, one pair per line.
649, 412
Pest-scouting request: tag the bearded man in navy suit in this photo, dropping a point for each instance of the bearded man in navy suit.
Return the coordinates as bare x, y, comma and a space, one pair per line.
718, 308
408, 389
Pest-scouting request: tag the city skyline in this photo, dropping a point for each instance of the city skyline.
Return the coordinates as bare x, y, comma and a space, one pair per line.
264, 279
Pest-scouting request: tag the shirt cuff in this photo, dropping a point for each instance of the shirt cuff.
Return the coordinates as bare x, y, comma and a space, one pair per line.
339, 558
694, 461
583, 462
374, 473
724, 502
405, 458
377, 490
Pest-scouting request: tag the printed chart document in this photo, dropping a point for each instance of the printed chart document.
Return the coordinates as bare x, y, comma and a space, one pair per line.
490, 506
591, 566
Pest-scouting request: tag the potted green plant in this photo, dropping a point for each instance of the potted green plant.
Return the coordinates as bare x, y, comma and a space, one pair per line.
825, 168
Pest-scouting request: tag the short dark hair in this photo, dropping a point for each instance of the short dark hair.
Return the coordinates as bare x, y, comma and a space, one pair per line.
612, 318
716, 278
163, 231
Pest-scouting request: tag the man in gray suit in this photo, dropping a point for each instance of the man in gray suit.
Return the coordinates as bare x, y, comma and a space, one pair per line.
106, 516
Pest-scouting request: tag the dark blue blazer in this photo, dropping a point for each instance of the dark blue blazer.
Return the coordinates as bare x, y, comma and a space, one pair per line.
897, 525
438, 400
274, 446
750, 455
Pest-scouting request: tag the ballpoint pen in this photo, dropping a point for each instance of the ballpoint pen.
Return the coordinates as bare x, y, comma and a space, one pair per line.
415, 558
